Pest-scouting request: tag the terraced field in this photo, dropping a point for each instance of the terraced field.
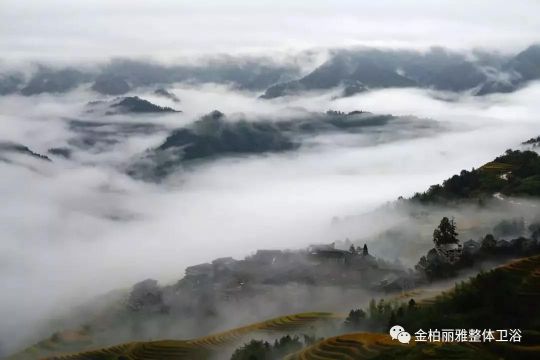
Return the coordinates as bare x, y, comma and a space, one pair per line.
522, 267
66, 341
370, 346
202, 348
496, 167
284, 324
525, 273
348, 347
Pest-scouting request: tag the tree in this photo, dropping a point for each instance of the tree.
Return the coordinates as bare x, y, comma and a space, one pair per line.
534, 228
509, 228
263, 350
488, 243
372, 308
422, 264
445, 233
355, 319
392, 321
254, 350
365, 250
286, 345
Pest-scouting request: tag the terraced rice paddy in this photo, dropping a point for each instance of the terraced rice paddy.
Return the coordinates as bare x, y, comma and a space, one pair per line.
345, 347
496, 167
202, 348
348, 347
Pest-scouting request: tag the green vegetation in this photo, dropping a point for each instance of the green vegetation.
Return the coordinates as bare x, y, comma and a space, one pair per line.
263, 350
510, 227
437, 266
214, 135
355, 320
445, 233
516, 173
59, 346
134, 104
449, 256
532, 141
504, 298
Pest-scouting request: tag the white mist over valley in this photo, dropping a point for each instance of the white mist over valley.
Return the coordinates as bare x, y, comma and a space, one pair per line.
137, 140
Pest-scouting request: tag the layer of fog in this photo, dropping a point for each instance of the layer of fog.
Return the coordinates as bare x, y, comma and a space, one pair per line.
72, 229
93, 29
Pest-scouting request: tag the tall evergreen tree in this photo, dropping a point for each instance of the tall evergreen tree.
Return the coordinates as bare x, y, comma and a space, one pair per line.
392, 321
445, 233
489, 243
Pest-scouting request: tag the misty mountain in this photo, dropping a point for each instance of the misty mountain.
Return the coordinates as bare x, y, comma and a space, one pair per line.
166, 94
99, 136
440, 69
47, 80
210, 136
233, 71
60, 152
213, 134
111, 85
517, 71
249, 74
527, 63
10, 83
354, 70
216, 135
128, 105
120, 76
497, 86
14, 148
134, 104
344, 68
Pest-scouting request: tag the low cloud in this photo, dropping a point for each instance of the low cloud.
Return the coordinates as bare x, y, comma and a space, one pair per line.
76, 228
85, 30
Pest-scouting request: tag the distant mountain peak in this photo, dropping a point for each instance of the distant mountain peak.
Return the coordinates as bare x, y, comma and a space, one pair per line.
166, 94
111, 85
129, 104
11, 147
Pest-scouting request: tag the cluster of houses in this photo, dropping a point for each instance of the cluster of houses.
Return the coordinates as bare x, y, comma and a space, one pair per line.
229, 279
317, 265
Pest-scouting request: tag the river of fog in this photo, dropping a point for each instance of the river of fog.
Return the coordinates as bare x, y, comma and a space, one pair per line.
72, 229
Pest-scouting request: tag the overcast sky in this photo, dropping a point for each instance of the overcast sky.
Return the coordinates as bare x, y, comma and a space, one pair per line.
94, 229
167, 29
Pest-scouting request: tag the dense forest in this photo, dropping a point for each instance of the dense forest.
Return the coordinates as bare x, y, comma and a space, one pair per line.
516, 173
